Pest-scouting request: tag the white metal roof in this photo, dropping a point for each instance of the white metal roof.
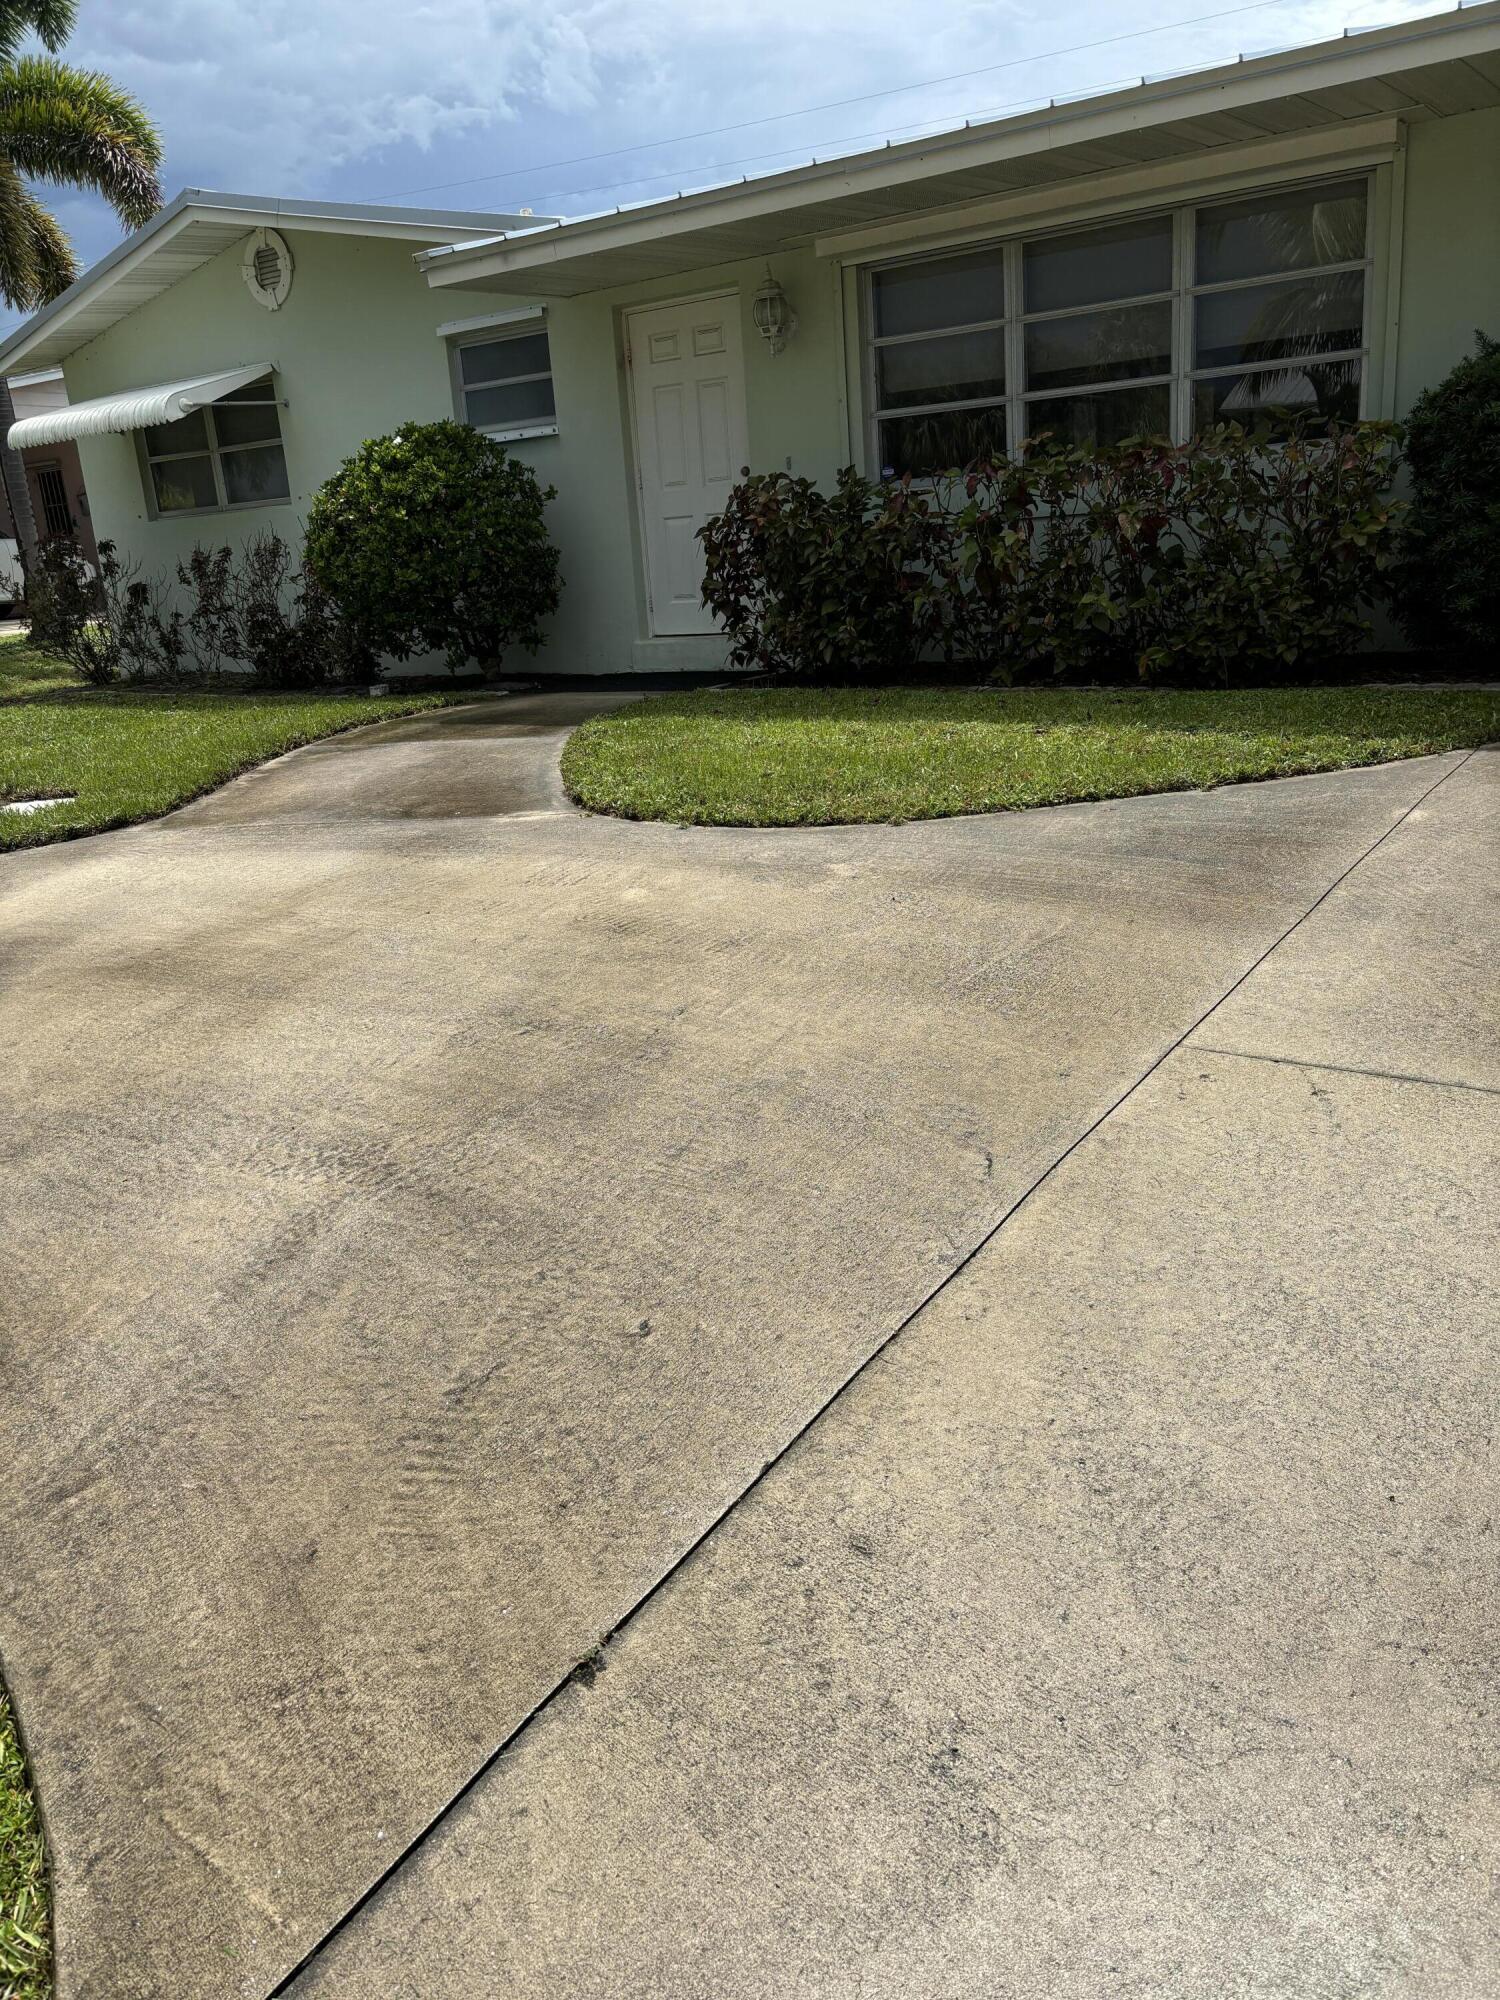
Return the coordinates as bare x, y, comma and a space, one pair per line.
132, 409
195, 226
1427, 68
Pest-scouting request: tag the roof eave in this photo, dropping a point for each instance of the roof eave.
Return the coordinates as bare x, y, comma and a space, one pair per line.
112, 265
419, 227
508, 259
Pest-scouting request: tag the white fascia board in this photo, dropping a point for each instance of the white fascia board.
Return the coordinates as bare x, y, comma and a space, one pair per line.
1369, 143
513, 316
1408, 46
83, 291
542, 225
286, 212
416, 231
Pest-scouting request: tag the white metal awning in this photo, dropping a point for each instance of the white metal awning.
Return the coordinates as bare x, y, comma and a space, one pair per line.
132, 409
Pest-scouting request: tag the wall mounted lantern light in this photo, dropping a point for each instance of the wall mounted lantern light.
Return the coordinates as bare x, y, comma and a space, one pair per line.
772, 312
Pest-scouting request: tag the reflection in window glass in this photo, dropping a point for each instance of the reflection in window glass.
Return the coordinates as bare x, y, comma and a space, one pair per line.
942, 291
1093, 266
1106, 418
1314, 392
1288, 231
954, 368
1272, 322
255, 475
940, 441
1099, 346
182, 484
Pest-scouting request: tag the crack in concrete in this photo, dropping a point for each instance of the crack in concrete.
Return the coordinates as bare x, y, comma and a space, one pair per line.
1350, 1069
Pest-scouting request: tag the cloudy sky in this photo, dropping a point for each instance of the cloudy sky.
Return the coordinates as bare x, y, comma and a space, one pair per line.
580, 104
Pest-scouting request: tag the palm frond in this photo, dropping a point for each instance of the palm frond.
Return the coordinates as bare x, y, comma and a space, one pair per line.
18, 269
56, 266
51, 21
78, 129
36, 258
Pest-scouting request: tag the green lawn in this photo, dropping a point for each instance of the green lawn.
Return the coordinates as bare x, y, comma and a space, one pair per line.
815, 757
129, 756
25, 1928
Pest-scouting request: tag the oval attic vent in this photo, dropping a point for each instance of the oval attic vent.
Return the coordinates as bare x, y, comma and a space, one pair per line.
267, 265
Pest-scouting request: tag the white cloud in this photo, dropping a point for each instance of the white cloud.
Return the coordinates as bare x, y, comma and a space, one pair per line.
293, 90
296, 95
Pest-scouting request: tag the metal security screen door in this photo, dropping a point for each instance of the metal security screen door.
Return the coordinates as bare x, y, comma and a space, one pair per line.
57, 516
688, 385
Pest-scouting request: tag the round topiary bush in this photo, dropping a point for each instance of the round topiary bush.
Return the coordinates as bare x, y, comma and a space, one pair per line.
1448, 585
434, 540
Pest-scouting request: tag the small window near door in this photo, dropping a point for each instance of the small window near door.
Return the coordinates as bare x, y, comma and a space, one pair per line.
228, 454
503, 382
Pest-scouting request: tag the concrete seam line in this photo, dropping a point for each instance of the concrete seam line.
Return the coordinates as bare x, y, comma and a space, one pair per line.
628, 1617
1349, 1069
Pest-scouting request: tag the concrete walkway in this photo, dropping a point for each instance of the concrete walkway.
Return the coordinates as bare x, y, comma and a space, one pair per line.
465, 1210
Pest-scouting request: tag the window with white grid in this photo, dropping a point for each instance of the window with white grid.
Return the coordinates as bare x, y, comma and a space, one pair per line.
1161, 324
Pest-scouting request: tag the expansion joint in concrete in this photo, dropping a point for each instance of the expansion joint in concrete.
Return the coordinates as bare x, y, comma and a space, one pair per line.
629, 1617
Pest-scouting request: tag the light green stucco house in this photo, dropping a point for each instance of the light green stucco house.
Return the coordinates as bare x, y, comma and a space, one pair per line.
1316, 227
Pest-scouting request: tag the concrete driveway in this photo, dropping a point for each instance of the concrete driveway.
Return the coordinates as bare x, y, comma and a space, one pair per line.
442, 1230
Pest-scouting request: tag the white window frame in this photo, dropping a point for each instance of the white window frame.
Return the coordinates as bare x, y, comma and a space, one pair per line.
215, 453
1183, 376
1192, 291
484, 332
876, 344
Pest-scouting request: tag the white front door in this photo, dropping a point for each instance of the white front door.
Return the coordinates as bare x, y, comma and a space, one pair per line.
688, 381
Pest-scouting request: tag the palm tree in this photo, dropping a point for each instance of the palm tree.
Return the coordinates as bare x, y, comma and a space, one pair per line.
76, 129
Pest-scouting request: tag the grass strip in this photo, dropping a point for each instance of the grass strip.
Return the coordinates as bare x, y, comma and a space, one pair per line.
825, 756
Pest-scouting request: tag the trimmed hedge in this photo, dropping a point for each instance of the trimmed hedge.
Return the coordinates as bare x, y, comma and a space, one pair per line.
1245, 555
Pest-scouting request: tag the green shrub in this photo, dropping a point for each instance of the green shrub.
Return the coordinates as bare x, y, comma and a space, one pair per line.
1240, 556
1448, 586
433, 540
1051, 558
809, 583
62, 594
